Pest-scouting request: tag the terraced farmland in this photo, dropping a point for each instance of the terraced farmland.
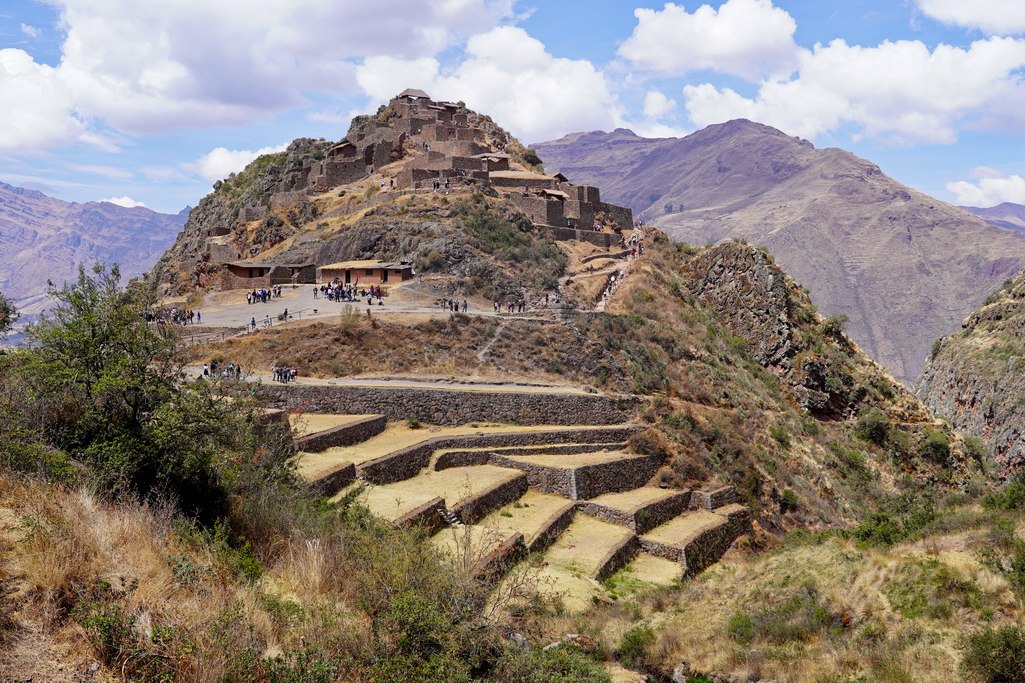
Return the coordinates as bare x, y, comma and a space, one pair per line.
576, 497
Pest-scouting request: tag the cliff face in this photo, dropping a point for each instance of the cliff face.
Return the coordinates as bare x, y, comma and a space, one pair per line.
906, 268
976, 377
42, 238
822, 369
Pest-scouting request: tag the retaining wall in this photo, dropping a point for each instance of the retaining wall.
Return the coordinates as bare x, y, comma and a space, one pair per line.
482, 457
600, 239
617, 558
715, 498
476, 507
406, 462
551, 530
451, 407
426, 516
335, 480
342, 435
643, 518
614, 476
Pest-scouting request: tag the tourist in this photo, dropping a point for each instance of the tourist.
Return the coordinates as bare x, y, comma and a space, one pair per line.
465, 306
199, 317
252, 323
206, 370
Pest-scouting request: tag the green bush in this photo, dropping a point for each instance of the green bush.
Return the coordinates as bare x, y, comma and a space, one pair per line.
873, 426
635, 644
794, 620
780, 435
563, 664
788, 501
934, 446
996, 655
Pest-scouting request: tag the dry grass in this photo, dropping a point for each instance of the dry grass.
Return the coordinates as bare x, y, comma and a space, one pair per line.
685, 527
866, 633
304, 424
527, 515
635, 499
453, 485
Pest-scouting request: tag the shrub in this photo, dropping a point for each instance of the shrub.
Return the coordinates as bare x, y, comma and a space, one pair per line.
635, 644
414, 423
873, 426
934, 446
788, 501
562, 664
997, 655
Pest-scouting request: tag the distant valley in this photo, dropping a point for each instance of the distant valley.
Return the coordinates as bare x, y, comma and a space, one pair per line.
42, 238
905, 267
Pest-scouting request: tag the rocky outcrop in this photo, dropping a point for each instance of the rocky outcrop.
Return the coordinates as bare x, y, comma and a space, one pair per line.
759, 304
976, 378
906, 268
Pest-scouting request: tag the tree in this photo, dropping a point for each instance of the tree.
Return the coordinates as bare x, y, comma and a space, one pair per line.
109, 392
8, 314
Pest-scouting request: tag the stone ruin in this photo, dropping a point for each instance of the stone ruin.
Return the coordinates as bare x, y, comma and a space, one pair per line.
443, 149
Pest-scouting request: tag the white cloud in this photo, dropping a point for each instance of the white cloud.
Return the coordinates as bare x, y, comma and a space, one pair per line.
219, 163
30, 30
126, 202
510, 76
1000, 17
657, 105
746, 38
989, 191
900, 91
35, 109
142, 67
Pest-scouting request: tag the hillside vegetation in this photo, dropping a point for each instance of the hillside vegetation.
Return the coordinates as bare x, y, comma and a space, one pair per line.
976, 377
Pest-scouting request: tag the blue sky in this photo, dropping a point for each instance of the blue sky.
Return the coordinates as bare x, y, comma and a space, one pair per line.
151, 102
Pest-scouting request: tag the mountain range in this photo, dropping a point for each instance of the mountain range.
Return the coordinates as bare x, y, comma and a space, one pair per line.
904, 267
43, 238
1005, 215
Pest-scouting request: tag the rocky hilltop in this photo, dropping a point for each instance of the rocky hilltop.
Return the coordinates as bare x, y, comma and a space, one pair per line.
42, 238
320, 202
904, 267
976, 377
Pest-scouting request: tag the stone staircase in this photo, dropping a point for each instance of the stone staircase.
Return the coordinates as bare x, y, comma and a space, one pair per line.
574, 495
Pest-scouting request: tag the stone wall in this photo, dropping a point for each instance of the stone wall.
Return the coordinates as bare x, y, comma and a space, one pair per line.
714, 498
334, 481
450, 406
617, 558
643, 518
558, 481
342, 435
600, 239
229, 280
620, 215
427, 516
614, 476
465, 458
477, 506
551, 530
406, 462
585, 481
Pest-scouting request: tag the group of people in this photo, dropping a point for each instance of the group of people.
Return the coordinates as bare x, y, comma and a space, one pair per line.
263, 295
453, 305
283, 374
174, 315
337, 291
229, 371
513, 306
